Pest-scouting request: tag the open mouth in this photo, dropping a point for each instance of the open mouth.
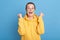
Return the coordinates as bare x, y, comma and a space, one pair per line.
30, 12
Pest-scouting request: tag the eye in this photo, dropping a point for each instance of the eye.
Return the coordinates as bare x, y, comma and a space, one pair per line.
32, 8
28, 8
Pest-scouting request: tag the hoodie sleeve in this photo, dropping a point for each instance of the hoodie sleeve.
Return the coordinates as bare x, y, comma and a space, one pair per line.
40, 26
21, 29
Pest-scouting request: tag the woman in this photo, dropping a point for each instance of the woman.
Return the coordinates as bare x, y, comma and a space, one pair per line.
31, 26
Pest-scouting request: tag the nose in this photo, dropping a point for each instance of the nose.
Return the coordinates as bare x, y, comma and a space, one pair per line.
30, 9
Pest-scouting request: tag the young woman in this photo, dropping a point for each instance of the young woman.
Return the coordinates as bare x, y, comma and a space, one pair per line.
31, 26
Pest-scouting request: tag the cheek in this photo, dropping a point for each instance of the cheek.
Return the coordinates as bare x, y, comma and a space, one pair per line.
33, 9
28, 10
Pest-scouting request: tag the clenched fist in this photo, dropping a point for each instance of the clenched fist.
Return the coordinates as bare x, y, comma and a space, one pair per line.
41, 14
20, 15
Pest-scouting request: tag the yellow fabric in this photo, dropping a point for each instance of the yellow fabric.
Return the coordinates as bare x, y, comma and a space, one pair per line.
30, 29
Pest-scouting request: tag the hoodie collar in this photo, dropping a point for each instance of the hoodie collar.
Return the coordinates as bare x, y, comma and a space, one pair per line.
34, 19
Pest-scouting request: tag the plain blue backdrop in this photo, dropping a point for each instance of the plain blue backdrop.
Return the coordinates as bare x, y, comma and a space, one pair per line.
8, 18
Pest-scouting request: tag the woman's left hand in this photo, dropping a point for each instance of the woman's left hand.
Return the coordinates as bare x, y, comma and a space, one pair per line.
41, 14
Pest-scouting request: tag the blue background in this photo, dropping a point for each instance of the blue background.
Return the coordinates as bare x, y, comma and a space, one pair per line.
8, 18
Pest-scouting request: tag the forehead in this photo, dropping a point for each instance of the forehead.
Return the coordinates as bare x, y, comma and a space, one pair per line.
30, 5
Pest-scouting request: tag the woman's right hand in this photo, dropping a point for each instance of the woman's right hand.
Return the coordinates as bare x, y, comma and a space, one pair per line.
20, 15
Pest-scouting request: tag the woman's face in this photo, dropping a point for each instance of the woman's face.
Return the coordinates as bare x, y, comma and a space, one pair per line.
30, 9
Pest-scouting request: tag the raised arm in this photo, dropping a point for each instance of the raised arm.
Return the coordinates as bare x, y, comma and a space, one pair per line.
21, 28
40, 26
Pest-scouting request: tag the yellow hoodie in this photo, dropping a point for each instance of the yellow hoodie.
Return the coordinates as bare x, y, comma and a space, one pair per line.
30, 29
